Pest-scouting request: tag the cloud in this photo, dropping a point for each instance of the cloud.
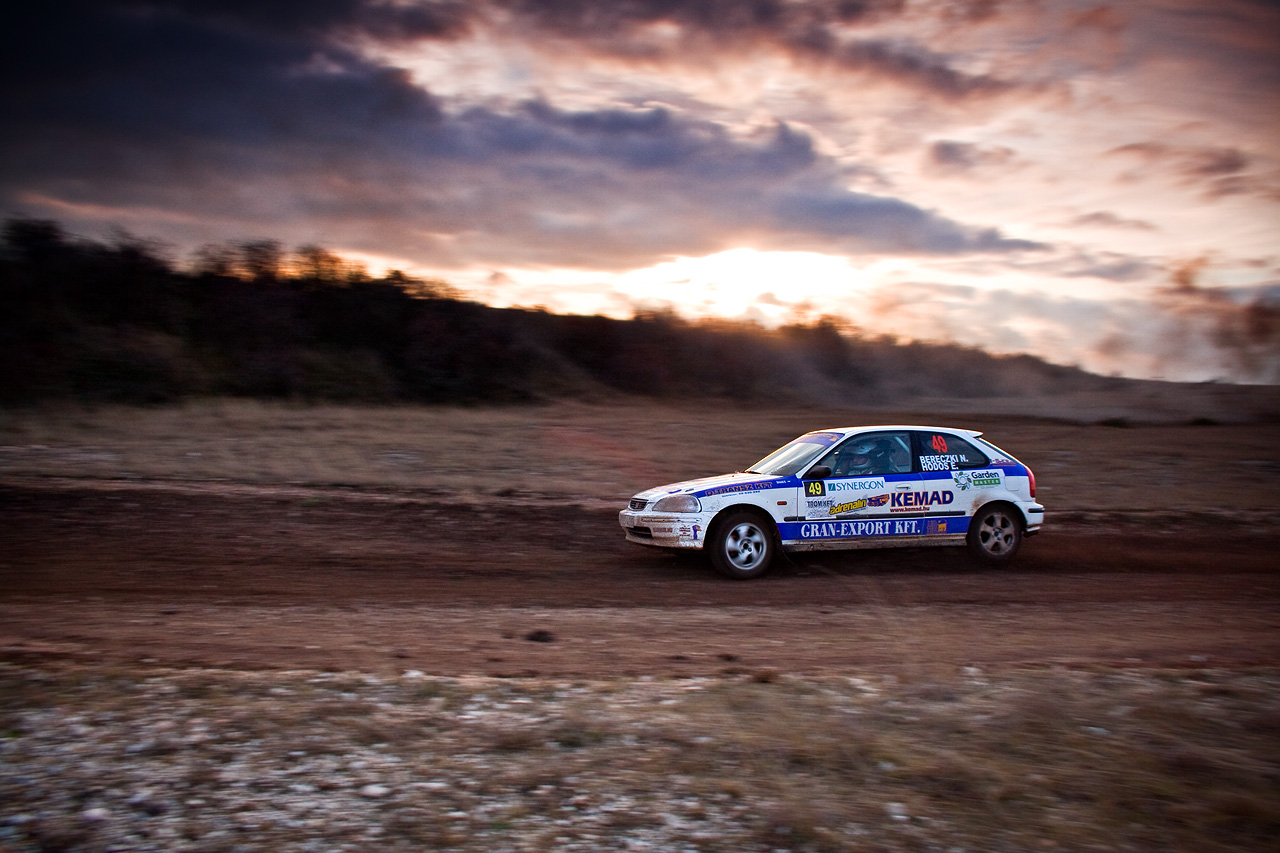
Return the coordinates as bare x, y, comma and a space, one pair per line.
1186, 332
922, 70
1217, 171
1106, 219
812, 32
951, 158
999, 320
665, 184
259, 116
1081, 263
867, 223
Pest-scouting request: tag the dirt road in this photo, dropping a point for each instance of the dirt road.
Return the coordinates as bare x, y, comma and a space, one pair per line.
335, 579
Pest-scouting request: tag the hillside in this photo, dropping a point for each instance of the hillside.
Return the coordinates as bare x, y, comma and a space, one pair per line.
122, 323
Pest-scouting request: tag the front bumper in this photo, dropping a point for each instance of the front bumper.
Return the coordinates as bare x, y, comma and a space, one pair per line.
665, 529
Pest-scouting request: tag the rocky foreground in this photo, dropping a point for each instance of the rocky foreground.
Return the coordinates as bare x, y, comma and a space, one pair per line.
150, 759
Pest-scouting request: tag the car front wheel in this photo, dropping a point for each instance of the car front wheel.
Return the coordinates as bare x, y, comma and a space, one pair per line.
742, 546
995, 534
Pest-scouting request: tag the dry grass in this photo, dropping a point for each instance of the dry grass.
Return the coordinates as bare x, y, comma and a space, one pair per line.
565, 449
604, 453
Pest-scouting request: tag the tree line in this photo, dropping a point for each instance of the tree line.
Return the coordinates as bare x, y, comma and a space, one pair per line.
119, 322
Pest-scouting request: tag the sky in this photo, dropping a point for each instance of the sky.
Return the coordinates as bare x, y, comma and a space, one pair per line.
1097, 184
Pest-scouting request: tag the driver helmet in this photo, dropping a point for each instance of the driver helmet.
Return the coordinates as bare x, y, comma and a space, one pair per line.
864, 456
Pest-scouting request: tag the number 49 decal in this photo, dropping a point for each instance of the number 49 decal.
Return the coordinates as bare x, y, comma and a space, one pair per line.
939, 444
815, 488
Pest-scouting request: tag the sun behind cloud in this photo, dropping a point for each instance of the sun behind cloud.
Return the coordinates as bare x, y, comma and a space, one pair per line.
768, 287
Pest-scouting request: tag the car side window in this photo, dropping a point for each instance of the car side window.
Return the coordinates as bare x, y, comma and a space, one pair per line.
870, 454
946, 452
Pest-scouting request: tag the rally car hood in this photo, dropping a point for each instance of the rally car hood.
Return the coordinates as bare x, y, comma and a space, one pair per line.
710, 486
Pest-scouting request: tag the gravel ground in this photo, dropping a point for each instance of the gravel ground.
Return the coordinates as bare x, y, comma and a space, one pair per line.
98, 759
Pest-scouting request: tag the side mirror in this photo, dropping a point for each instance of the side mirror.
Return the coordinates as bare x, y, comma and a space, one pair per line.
819, 472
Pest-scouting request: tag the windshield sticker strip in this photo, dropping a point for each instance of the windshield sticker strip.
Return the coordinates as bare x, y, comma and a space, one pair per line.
737, 488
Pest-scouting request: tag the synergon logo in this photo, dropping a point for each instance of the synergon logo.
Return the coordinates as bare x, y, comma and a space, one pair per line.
855, 485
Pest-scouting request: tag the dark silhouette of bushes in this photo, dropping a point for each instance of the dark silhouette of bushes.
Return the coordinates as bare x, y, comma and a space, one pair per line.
121, 322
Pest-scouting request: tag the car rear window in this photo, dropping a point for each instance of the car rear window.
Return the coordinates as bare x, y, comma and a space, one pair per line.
946, 452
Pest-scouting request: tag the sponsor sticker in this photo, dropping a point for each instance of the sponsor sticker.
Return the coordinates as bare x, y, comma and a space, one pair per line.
869, 484
681, 531
916, 501
855, 529
737, 488
851, 506
943, 462
965, 480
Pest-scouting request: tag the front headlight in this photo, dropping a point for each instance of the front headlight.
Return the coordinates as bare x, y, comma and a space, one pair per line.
678, 503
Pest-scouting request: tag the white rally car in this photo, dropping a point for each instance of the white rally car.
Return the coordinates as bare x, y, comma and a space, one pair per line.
853, 487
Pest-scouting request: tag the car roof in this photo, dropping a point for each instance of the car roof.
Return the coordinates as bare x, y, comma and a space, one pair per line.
879, 427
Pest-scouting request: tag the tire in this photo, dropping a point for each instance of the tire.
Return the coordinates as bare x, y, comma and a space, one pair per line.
995, 534
742, 546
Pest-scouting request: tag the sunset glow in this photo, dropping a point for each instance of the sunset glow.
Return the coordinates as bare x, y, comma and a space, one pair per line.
1019, 177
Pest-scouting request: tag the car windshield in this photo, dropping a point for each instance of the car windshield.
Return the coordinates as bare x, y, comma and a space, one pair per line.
791, 457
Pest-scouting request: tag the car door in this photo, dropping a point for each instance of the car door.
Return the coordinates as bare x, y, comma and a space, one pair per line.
858, 489
954, 477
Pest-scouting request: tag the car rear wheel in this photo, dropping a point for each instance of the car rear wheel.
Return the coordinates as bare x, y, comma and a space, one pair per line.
742, 546
995, 534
